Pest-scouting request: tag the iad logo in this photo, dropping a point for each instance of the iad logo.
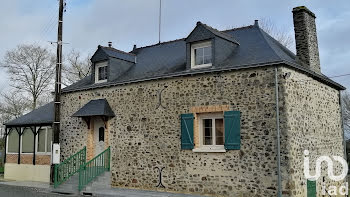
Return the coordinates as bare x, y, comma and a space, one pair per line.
329, 162
331, 190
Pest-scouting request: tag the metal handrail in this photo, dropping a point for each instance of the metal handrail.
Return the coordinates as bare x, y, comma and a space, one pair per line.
69, 167
94, 168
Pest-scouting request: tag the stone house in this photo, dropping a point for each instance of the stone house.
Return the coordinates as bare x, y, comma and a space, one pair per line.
223, 113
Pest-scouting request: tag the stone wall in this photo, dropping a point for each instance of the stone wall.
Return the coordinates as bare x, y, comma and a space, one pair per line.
306, 38
311, 120
144, 135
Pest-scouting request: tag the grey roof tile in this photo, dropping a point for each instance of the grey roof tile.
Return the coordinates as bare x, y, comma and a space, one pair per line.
98, 107
167, 59
42, 115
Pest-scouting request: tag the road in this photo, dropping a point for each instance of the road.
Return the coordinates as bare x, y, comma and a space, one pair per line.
15, 191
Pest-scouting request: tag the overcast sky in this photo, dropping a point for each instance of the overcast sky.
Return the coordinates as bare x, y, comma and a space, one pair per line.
88, 23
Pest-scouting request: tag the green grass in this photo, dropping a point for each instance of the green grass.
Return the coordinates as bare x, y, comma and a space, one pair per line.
1, 170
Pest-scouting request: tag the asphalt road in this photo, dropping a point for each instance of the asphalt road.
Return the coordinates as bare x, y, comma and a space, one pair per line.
15, 191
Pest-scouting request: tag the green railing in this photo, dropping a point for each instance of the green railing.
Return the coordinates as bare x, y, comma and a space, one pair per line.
94, 168
69, 167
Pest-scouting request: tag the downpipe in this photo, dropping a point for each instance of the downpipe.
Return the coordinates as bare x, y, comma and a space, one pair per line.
279, 178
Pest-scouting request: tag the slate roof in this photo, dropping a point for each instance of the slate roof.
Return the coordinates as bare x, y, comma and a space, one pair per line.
98, 107
220, 34
112, 52
42, 116
256, 48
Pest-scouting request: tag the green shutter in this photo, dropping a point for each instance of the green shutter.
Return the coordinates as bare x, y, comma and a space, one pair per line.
187, 131
232, 130
311, 188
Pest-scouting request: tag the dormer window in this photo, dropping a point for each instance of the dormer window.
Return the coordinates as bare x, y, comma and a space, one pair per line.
201, 55
101, 72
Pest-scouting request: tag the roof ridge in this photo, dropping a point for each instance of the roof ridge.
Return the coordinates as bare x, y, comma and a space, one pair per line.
180, 39
219, 33
238, 28
166, 42
117, 50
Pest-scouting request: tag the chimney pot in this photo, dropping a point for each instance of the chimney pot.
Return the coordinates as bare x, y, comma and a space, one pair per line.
306, 38
256, 23
134, 48
109, 44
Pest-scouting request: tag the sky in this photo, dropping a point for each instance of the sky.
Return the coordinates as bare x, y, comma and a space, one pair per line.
89, 23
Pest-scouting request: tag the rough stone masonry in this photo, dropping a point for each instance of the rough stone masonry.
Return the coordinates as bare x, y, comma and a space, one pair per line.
144, 136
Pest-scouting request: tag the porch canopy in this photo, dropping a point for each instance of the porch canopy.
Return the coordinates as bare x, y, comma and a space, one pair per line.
43, 116
93, 108
98, 107
31, 122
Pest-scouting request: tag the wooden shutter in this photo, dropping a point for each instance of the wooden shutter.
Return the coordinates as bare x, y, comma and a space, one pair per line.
311, 188
187, 131
232, 121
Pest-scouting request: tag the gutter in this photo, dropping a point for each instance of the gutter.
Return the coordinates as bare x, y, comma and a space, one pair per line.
279, 178
314, 75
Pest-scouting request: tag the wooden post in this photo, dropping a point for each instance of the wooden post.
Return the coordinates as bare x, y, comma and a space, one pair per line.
56, 124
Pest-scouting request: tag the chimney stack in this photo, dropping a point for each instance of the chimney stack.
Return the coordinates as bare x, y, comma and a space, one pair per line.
306, 38
109, 44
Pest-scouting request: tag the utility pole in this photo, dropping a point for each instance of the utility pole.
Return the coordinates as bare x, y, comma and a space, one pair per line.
56, 124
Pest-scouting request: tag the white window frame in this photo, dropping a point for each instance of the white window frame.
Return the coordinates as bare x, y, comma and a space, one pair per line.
37, 142
7, 143
209, 148
193, 58
97, 66
22, 129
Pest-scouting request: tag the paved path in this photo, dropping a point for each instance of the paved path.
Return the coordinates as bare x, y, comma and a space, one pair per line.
36, 189
118, 192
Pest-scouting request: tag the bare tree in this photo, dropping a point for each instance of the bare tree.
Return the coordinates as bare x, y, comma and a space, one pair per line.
280, 34
346, 113
31, 70
12, 106
76, 67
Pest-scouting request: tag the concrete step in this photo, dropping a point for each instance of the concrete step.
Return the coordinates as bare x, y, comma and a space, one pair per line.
70, 186
99, 183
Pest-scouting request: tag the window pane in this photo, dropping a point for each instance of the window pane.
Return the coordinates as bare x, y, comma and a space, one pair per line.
101, 134
49, 139
199, 53
13, 142
219, 131
100, 77
41, 140
207, 55
207, 129
27, 141
207, 51
207, 59
104, 72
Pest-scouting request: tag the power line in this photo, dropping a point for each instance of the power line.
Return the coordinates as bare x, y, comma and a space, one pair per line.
160, 18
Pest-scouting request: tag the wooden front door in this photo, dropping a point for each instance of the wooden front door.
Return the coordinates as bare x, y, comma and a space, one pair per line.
99, 135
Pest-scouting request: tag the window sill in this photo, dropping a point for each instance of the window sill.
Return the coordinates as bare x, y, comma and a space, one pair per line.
101, 81
209, 150
201, 66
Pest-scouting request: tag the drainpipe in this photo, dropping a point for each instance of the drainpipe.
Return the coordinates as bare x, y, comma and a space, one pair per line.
342, 123
279, 179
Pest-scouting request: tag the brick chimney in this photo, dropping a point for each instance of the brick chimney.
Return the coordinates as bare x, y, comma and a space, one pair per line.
306, 38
